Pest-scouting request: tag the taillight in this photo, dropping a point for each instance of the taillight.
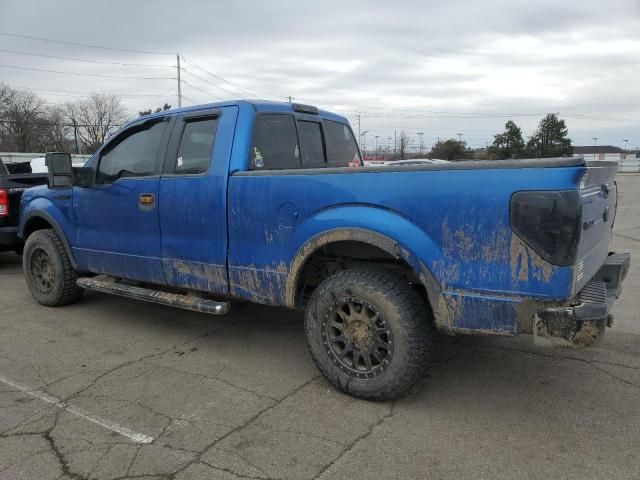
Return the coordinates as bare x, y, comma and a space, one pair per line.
549, 222
4, 203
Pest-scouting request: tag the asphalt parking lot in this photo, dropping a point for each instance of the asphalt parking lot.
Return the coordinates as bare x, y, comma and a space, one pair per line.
113, 389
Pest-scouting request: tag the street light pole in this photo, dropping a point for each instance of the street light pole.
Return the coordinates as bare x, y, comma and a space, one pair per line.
364, 143
595, 140
377, 145
179, 80
420, 135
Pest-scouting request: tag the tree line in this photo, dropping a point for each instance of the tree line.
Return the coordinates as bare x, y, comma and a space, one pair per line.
29, 124
550, 139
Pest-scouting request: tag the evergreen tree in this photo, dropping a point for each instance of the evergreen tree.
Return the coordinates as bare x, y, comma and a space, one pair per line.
550, 139
508, 144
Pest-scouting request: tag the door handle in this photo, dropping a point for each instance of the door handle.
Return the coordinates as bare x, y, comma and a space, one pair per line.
146, 201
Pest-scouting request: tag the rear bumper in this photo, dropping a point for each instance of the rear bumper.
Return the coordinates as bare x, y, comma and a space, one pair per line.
583, 321
9, 237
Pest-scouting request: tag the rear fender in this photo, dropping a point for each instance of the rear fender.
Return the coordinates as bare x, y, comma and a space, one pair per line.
377, 233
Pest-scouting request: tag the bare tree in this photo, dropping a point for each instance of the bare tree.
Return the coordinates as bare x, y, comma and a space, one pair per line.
59, 134
95, 117
404, 145
22, 120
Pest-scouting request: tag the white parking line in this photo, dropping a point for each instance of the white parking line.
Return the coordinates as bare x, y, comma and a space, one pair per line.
40, 395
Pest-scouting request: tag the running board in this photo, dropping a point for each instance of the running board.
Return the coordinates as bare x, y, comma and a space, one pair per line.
105, 284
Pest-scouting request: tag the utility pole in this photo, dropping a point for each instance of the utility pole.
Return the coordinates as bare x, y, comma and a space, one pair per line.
459, 137
595, 140
289, 98
75, 134
364, 143
395, 141
420, 135
625, 145
179, 83
377, 145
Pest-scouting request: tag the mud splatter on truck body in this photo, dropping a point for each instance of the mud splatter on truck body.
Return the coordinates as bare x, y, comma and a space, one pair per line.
486, 241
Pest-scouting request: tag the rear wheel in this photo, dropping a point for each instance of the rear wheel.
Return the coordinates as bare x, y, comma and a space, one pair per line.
48, 271
369, 332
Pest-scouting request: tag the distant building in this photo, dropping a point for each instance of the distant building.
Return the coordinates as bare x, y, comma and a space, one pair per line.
629, 161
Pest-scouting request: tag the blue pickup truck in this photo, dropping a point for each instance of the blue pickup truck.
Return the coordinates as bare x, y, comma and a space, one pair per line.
269, 202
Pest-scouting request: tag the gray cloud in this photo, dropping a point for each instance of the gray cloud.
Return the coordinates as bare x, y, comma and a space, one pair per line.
574, 57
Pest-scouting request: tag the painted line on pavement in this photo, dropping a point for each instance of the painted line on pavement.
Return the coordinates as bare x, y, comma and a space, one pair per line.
79, 412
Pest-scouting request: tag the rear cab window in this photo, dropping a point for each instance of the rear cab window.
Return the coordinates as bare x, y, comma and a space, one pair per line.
285, 141
275, 143
342, 149
311, 144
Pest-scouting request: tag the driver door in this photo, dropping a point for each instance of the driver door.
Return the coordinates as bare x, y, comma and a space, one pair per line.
117, 222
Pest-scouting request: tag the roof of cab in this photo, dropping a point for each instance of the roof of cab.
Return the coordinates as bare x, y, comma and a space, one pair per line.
262, 106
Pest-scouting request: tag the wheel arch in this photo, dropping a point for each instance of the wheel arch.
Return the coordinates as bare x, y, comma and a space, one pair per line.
40, 220
382, 242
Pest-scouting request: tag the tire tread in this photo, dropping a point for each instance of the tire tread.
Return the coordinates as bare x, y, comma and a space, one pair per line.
413, 307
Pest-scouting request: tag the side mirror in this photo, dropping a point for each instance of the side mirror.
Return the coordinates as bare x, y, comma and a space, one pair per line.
60, 170
83, 176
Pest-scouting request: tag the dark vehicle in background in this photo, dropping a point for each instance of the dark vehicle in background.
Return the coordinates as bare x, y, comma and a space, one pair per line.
15, 178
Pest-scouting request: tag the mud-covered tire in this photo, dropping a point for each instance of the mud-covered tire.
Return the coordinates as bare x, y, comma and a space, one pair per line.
406, 316
48, 271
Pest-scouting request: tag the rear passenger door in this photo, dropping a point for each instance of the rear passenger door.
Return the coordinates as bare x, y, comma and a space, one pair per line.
192, 207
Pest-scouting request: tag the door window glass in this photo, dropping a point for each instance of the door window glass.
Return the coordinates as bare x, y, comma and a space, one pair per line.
196, 146
134, 156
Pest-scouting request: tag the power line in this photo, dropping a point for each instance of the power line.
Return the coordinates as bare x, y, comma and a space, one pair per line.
87, 74
71, 93
200, 90
18, 52
209, 83
30, 37
237, 85
53, 124
195, 102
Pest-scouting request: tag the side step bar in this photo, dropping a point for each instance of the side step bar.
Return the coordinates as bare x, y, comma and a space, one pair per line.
105, 284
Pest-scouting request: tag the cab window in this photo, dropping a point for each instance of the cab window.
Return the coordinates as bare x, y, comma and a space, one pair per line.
311, 144
133, 156
275, 143
342, 150
196, 146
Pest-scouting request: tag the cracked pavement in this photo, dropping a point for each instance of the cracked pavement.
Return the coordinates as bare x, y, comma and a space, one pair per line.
237, 396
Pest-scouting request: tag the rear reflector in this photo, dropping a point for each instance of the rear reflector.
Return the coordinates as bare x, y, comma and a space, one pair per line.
4, 203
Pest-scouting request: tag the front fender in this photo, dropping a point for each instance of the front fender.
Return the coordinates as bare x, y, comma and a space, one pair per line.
41, 208
383, 228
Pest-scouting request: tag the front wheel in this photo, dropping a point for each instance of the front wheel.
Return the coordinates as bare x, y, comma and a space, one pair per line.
48, 270
369, 332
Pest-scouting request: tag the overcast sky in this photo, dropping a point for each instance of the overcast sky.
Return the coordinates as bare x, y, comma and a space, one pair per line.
441, 68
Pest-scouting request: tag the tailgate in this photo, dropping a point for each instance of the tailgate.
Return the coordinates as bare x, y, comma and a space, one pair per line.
599, 194
15, 185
